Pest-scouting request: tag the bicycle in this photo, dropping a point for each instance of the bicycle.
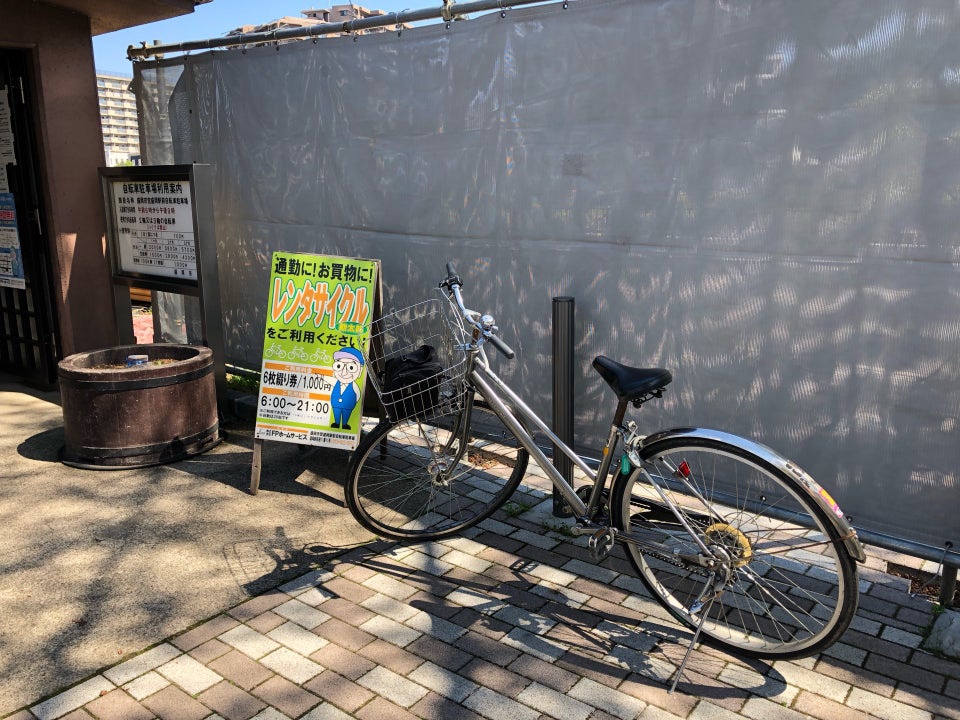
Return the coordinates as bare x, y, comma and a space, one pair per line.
734, 540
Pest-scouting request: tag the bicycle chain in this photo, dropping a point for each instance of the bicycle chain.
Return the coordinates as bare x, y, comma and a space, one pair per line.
676, 562
672, 560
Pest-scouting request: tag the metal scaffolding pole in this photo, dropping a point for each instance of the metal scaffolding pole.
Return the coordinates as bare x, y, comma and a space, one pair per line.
449, 11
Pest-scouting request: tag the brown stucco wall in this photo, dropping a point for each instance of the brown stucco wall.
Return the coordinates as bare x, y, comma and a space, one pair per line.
71, 150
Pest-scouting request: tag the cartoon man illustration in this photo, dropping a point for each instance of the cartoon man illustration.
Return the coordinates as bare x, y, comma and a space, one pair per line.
347, 367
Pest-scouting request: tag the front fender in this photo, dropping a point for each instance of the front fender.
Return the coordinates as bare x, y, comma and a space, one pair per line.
775, 461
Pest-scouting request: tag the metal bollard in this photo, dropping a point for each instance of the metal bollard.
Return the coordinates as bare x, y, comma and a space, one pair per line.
563, 308
948, 587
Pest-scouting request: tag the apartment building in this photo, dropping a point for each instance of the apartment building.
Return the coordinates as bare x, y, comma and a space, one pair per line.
345, 13
284, 23
341, 13
118, 117
313, 16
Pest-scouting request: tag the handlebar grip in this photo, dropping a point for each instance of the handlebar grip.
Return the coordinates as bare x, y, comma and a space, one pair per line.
450, 271
502, 347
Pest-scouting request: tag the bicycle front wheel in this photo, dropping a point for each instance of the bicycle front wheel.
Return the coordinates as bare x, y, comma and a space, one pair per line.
429, 479
785, 587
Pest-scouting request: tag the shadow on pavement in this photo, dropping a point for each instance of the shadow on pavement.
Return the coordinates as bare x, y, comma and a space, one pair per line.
655, 649
44, 446
290, 561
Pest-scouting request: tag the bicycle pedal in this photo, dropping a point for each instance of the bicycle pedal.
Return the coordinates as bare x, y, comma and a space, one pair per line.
600, 544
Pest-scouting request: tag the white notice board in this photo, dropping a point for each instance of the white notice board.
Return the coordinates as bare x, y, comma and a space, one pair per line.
154, 226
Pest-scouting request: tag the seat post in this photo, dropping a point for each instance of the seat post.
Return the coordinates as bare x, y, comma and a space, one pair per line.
621, 412
606, 460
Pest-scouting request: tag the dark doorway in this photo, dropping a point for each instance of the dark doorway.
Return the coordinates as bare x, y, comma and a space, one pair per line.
28, 335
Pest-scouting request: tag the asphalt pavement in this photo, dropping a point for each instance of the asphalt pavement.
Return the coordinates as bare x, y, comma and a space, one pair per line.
101, 564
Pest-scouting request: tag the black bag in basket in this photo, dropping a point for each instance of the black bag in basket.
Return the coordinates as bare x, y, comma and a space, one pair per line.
411, 383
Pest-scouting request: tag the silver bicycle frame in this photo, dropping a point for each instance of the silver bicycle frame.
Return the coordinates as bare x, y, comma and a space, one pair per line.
482, 377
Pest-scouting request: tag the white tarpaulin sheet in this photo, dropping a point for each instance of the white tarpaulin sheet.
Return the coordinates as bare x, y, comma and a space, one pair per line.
762, 196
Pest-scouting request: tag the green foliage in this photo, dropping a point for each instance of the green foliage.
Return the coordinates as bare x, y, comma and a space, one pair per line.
558, 527
244, 383
513, 509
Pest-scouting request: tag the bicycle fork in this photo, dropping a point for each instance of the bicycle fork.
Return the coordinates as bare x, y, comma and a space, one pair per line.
442, 460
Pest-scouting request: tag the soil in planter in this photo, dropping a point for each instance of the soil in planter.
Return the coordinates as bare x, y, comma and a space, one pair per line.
921, 583
124, 366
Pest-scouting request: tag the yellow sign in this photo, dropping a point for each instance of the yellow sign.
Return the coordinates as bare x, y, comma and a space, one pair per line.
314, 352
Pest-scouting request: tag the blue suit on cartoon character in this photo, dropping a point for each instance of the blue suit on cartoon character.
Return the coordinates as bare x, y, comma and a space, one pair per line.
347, 367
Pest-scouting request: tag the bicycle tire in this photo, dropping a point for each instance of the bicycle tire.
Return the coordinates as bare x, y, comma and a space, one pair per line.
398, 485
793, 589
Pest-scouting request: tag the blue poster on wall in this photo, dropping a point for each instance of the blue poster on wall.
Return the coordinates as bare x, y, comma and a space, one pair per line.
11, 259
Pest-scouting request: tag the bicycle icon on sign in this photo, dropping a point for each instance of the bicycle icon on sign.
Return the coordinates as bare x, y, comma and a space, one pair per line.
298, 353
321, 355
275, 351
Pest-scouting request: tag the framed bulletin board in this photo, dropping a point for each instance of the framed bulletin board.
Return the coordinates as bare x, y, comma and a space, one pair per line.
160, 236
158, 219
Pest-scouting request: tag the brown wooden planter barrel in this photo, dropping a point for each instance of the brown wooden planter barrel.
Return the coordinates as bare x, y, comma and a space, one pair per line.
117, 418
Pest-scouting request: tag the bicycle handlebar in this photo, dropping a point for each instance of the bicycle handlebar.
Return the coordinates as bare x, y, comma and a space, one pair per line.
452, 284
500, 345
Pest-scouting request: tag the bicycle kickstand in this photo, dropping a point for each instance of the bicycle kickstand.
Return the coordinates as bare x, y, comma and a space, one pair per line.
704, 611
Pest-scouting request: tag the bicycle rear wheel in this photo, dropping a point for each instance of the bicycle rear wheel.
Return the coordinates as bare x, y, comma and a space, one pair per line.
787, 587
415, 480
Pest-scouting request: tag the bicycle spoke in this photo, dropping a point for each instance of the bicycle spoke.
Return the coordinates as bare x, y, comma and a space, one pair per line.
790, 588
778, 599
431, 478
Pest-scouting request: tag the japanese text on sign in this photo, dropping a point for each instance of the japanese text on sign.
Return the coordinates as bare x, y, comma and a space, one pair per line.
318, 317
11, 260
154, 223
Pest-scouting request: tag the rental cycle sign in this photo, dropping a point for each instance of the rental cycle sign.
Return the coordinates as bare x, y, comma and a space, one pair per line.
313, 369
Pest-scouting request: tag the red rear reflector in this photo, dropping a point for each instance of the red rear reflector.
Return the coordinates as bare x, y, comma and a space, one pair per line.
683, 470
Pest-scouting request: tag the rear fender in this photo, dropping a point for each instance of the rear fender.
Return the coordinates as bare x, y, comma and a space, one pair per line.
775, 461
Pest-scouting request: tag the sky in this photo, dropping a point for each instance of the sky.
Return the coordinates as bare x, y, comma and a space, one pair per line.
215, 19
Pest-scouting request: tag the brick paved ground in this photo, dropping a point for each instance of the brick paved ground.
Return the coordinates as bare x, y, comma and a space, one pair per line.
511, 621
143, 324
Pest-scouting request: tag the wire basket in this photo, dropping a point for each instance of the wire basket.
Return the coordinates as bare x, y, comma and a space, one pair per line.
398, 337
